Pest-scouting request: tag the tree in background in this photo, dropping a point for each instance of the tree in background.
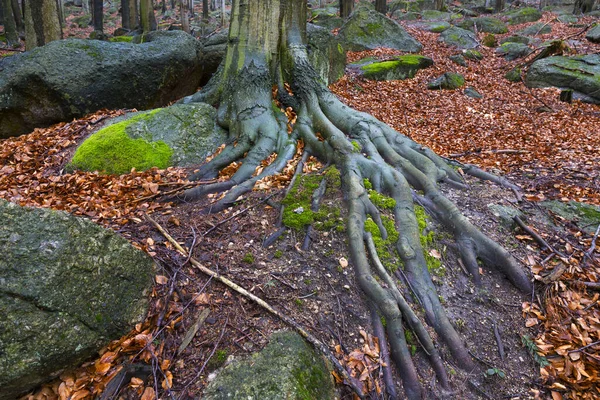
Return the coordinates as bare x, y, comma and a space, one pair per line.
381, 6
129, 14
10, 25
42, 23
98, 18
147, 17
267, 48
346, 8
583, 6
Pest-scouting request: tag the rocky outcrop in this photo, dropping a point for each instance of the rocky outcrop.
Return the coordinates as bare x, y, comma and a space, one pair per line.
67, 287
512, 51
368, 29
67, 79
399, 67
447, 81
522, 15
286, 369
180, 135
578, 73
593, 34
458, 37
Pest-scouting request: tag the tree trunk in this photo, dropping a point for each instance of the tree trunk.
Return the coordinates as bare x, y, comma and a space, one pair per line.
147, 17
125, 17
42, 23
381, 6
185, 21
98, 16
346, 8
10, 26
583, 6
499, 5
205, 10
267, 48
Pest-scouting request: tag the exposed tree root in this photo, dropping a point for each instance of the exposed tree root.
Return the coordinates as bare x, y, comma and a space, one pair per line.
361, 147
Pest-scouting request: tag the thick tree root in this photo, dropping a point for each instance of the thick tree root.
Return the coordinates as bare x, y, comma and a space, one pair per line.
361, 147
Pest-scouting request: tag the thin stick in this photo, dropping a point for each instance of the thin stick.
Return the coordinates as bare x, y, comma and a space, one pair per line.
306, 335
584, 347
593, 245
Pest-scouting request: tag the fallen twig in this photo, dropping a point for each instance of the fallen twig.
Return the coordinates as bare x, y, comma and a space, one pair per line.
589, 253
306, 335
235, 215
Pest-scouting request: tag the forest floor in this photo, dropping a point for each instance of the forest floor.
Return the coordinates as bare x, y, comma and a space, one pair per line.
551, 149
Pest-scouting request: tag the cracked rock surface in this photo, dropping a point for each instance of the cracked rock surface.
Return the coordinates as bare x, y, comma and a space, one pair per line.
67, 287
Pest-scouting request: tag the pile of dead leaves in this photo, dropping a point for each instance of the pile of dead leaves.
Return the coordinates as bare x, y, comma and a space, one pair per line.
364, 364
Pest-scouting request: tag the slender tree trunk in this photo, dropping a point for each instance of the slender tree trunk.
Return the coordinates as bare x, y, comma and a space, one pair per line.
42, 23
98, 16
147, 17
499, 5
10, 26
205, 10
125, 18
185, 21
223, 13
381, 6
346, 8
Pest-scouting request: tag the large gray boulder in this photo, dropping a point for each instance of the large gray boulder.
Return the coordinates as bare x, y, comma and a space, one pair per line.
484, 24
512, 51
286, 369
70, 78
326, 53
579, 73
368, 29
593, 34
522, 15
67, 287
458, 37
180, 135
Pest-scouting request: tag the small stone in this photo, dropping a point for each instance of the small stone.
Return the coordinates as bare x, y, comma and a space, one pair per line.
299, 210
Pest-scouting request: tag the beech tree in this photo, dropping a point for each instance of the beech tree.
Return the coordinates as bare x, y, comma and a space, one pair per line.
266, 49
10, 25
346, 7
42, 23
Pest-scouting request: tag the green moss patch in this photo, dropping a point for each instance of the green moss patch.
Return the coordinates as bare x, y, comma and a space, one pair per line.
112, 151
297, 213
400, 67
126, 39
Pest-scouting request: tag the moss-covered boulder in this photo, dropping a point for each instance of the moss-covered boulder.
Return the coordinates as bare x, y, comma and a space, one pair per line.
458, 37
593, 34
458, 59
326, 17
67, 288
484, 24
578, 73
447, 81
516, 39
514, 75
538, 28
586, 216
472, 55
567, 18
434, 15
367, 29
399, 6
522, 15
433, 26
286, 369
180, 135
69, 78
399, 67
326, 53
512, 51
